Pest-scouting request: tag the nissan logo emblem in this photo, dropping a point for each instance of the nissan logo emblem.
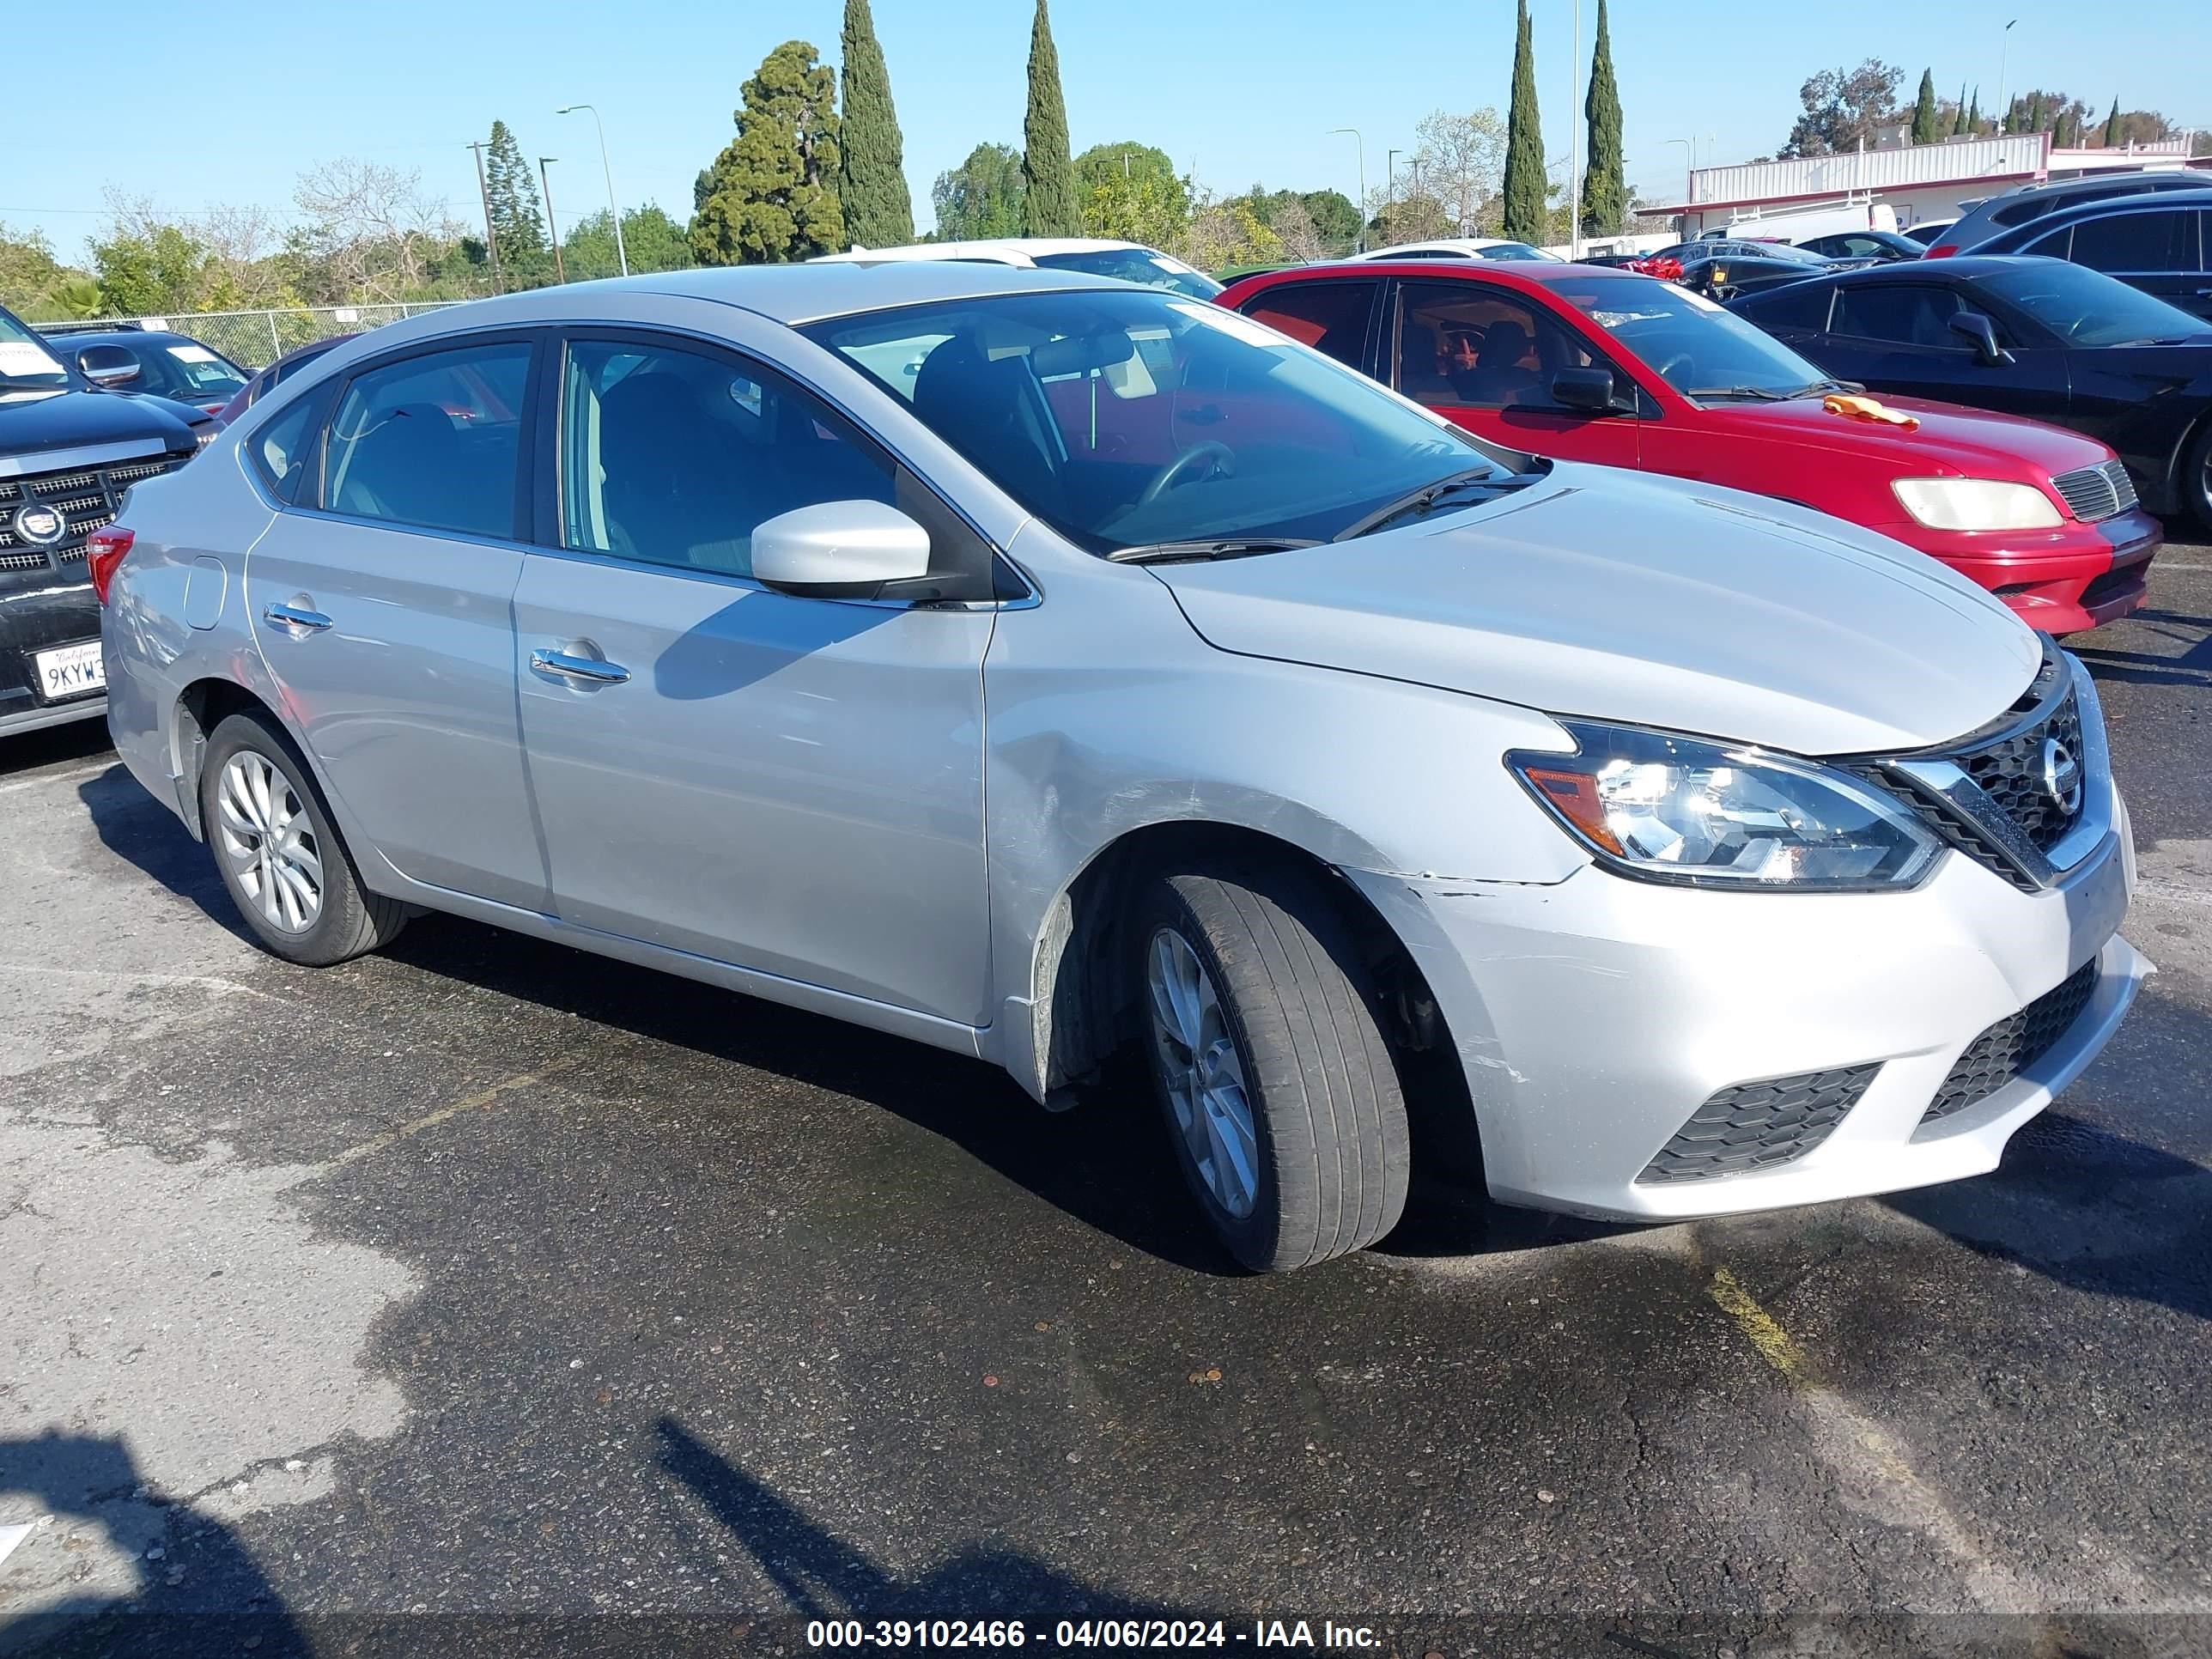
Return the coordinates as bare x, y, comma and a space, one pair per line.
40, 524
2062, 776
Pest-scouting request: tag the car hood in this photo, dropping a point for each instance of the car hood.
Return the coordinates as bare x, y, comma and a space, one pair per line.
31, 426
1655, 601
1968, 442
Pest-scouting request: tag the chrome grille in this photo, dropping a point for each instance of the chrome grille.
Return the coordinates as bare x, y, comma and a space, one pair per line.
87, 499
2096, 492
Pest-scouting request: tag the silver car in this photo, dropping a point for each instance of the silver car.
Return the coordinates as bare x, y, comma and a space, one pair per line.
1035, 665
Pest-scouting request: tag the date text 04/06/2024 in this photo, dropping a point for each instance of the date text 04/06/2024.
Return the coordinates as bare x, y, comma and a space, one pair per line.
1084, 1634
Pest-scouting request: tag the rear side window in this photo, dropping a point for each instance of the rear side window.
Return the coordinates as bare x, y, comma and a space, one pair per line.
1798, 305
283, 450
2149, 240
1330, 317
432, 440
1900, 314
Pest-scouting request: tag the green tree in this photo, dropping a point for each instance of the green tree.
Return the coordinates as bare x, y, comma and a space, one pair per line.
518, 222
28, 271
1974, 113
872, 185
773, 195
1605, 186
2112, 126
980, 198
1959, 125
652, 241
1336, 220
143, 274
1524, 144
1050, 207
2035, 114
1131, 193
1925, 128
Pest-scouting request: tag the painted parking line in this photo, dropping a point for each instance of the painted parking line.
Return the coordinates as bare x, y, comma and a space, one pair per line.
430, 1120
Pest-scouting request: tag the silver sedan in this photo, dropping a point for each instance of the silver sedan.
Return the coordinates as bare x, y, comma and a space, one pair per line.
1035, 665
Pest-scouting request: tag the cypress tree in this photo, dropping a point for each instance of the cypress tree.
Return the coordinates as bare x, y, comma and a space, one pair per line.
1605, 186
1974, 114
872, 188
2113, 127
1526, 198
1048, 203
1925, 128
1959, 122
2035, 114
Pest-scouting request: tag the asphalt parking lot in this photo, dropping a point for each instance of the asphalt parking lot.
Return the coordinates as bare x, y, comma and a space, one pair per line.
483, 1281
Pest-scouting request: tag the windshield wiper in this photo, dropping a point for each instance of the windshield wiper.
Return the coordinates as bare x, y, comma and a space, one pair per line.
1428, 498
1219, 547
1765, 394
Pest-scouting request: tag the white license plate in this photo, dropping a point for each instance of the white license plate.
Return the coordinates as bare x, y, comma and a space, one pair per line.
70, 671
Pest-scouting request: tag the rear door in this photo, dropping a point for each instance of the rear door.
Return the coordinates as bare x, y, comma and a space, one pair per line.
793, 785
1483, 356
2160, 250
380, 607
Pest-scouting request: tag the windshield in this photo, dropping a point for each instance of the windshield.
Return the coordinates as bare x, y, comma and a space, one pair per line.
2086, 308
185, 369
1517, 251
1125, 420
1135, 265
26, 364
1695, 345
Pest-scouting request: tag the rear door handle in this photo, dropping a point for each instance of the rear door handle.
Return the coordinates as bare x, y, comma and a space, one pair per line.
296, 619
593, 670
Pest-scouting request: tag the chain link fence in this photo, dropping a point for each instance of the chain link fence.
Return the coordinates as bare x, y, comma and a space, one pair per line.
257, 338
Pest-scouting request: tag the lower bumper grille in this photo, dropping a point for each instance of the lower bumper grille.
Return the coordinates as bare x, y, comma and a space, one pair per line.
1757, 1126
2012, 1045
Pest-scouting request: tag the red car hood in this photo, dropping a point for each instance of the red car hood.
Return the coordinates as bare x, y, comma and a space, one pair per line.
1970, 442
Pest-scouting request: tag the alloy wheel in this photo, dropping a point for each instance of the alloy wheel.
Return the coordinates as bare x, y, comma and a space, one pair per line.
1202, 1072
270, 842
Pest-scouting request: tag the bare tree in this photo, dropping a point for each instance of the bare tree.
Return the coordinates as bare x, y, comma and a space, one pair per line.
1294, 228
369, 231
1461, 167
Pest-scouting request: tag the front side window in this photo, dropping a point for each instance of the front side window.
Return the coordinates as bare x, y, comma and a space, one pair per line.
1330, 317
1900, 314
2151, 241
1469, 345
1126, 419
432, 440
674, 457
1695, 346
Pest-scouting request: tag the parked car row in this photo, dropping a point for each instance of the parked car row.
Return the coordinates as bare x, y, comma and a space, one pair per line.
1044, 668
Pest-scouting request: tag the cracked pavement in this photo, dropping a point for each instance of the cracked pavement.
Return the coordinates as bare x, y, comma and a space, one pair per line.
482, 1289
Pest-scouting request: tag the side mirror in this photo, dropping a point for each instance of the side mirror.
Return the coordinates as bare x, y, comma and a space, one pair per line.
108, 365
1984, 334
1589, 389
839, 550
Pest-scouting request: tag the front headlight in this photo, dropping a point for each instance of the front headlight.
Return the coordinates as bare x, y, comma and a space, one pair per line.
1976, 504
1677, 809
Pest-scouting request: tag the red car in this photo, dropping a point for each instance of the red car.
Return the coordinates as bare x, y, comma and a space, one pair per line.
1592, 364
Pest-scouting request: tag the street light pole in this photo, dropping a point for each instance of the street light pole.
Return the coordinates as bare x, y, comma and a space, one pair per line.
1689, 177
491, 236
1389, 176
552, 229
1575, 155
1361, 245
614, 209
2004, 64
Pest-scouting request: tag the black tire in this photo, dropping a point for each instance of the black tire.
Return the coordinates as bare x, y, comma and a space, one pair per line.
349, 920
2195, 480
1327, 1109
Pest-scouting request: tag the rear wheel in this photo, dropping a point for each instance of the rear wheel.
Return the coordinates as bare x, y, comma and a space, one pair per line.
287, 871
1281, 1095
2196, 478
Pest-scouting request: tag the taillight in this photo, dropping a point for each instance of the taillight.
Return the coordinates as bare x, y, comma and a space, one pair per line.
1941, 251
103, 553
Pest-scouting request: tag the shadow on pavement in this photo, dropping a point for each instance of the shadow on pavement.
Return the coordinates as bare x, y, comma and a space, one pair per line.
201, 1594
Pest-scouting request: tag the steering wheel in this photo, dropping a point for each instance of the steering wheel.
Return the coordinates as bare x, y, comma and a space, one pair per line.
1223, 457
1680, 360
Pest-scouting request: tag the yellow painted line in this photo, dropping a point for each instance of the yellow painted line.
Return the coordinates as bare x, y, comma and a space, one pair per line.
1777, 1347
477, 1102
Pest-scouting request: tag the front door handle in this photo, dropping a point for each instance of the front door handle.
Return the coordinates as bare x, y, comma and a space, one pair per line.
296, 619
594, 671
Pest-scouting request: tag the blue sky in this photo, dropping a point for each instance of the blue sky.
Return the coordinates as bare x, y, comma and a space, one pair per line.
1238, 93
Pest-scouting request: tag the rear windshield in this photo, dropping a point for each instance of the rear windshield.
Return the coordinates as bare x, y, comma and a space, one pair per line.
1135, 265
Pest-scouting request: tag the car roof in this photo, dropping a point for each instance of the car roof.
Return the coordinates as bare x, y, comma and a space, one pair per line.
2146, 179
2168, 200
1471, 244
1022, 248
1502, 273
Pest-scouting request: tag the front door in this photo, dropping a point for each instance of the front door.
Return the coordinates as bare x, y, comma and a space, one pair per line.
792, 785
1483, 357
379, 605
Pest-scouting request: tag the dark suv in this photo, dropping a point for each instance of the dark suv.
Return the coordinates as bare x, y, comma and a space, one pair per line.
69, 450
2160, 243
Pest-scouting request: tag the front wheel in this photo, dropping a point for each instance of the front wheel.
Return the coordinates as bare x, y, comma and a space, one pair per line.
1281, 1095
285, 868
2196, 478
